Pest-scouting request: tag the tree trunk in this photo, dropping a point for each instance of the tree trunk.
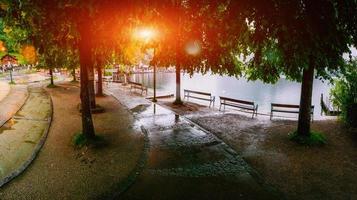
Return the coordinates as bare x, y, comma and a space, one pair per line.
51, 74
178, 54
178, 84
91, 86
100, 82
305, 102
85, 48
74, 74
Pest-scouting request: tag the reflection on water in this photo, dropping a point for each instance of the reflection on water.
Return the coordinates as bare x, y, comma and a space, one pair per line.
283, 91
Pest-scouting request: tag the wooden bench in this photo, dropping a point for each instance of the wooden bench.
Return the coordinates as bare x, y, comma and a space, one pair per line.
139, 86
199, 95
288, 108
246, 105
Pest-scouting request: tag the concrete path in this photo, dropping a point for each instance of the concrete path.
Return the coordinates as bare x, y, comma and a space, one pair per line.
22, 136
12, 102
4, 90
184, 161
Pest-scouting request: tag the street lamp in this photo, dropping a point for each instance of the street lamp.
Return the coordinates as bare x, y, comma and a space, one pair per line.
147, 35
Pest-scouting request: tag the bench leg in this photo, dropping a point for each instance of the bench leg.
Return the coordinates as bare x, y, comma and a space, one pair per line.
220, 107
271, 115
256, 111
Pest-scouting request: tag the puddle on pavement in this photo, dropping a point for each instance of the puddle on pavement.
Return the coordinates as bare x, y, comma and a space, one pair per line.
139, 108
153, 109
8, 125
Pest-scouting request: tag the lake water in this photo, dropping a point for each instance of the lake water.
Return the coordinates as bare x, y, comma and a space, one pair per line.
284, 91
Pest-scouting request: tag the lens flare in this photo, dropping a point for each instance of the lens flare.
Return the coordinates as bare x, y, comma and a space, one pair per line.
193, 48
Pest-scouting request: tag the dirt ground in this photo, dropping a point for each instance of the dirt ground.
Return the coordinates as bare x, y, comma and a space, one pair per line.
63, 172
326, 172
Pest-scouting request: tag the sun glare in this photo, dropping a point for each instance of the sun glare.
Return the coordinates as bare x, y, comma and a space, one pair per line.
193, 48
145, 34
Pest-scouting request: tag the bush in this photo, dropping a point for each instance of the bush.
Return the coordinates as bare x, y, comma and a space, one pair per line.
344, 93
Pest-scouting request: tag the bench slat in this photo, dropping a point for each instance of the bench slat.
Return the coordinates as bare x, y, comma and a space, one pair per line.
287, 105
197, 92
239, 106
199, 98
236, 100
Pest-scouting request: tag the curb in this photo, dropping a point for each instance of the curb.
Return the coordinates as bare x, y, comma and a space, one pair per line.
35, 152
124, 185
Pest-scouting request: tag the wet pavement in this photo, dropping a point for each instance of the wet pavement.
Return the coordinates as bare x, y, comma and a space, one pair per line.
185, 161
21, 136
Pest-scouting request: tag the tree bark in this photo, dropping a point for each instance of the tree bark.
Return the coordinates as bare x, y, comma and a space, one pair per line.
100, 82
91, 86
51, 74
74, 74
305, 102
85, 49
178, 54
178, 84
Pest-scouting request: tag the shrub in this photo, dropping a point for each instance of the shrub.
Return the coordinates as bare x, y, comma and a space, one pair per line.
344, 93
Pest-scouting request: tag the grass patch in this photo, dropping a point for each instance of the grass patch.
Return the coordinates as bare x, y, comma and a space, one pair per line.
51, 86
178, 102
12, 83
314, 139
79, 140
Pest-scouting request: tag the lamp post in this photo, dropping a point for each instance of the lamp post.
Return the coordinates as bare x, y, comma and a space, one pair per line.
147, 35
10, 67
154, 98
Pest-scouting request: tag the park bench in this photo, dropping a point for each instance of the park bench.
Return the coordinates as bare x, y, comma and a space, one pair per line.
246, 105
288, 108
139, 86
199, 95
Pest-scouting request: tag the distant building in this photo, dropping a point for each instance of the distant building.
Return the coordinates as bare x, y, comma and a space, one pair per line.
8, 59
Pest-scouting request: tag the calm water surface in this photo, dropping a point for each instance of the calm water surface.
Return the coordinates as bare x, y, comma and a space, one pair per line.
284, 91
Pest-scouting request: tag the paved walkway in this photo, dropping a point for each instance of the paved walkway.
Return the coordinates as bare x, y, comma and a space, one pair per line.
184, 161
21, 137
12, 102
4, 90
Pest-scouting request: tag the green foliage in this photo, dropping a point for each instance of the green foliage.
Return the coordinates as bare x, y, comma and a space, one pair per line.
313, 139
344, 92
80, 140
51, 86
106, 73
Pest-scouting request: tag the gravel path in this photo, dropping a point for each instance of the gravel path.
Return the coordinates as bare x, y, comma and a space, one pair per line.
63, 172
327, 172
